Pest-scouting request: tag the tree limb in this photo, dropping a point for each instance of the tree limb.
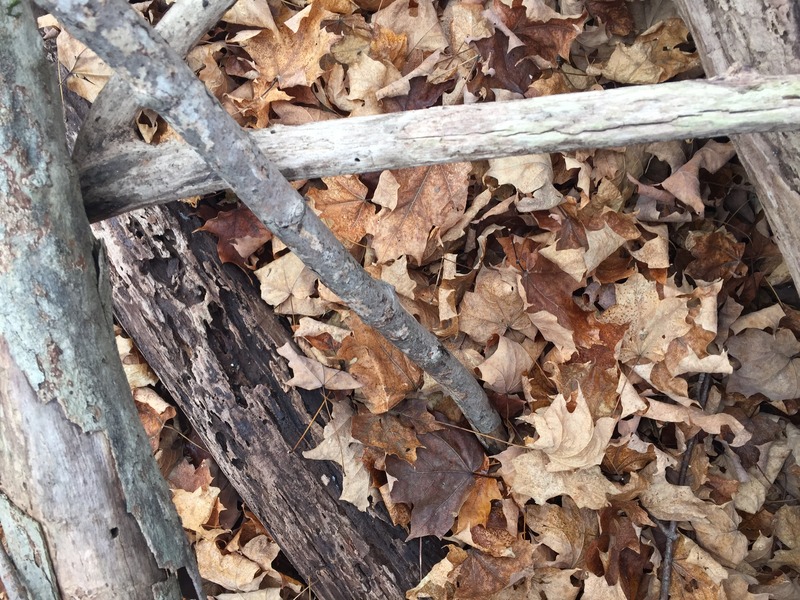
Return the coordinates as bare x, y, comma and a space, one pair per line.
157, 73
83, 507
133, 174
110, 119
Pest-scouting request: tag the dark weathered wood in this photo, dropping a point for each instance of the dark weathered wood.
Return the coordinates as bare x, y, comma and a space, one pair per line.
765, 37
211, 339
84, 510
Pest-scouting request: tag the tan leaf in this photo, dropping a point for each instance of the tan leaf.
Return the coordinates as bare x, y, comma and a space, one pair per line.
154, 412
769, 365
195, 508
344, 207
340, 447
252, 13
503, 370
137, 371
311, 375
429, 198
670, 413
287, 284
291, 58
684, 183
417, 20
386, 374
87, 73
568, 435
527, 475
231, 571
526, 173
494, 307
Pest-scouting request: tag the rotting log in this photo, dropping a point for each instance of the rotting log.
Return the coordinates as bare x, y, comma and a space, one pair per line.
133, 174
211, 340
763, 37
84, 510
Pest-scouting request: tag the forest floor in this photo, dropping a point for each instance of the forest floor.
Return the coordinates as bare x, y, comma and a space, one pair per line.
626, 309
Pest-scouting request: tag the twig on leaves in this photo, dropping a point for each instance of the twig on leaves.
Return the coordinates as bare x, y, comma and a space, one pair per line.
671, 532
163, 82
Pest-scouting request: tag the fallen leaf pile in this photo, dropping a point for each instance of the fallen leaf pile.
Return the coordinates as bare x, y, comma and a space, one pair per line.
626, 310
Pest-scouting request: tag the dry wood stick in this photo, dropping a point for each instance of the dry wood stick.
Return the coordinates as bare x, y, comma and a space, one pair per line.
110, 119
156, 73
125, 176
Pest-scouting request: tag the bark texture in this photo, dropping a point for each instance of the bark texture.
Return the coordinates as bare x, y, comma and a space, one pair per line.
84, 510
129, 175
211, 339
765, 37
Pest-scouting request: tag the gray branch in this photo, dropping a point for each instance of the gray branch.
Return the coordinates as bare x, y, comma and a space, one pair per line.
121, 177
158, 75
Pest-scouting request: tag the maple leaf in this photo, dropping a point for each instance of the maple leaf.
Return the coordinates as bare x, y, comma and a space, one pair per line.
311, 375
239, 234
87, 73
429, 201
154, 413
504, 369
440, 480
230, 570
396, 432
684, 183
655, 55
717, 256
287, 284
481, 574
417, 20
568, 435
344, 207
340, 447
565, 529
292, 58
526, 474
614, 14
385, 373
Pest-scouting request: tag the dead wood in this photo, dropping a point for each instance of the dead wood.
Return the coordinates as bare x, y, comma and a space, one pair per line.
211, 339
133, 174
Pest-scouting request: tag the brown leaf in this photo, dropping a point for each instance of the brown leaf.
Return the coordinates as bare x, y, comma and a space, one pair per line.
684, 183
769, 365
312, 375
614, 14
344, 207
429, 201
717, 255
566, 529
482, 575
439, 481
387, 432
292, 59
478, 505
239, 234
154, 413
386, 374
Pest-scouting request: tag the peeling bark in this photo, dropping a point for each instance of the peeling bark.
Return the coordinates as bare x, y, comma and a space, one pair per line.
84, 510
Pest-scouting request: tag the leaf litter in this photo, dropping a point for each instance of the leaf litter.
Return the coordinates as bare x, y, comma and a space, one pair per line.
589, 291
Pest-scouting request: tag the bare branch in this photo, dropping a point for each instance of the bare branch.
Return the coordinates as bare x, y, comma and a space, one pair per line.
127, 176
112, 113
157, 73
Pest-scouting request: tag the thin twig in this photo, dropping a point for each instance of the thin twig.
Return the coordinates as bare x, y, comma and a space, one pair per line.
671, 533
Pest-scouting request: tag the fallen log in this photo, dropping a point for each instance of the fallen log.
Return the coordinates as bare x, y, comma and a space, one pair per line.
211, 339
133, 174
